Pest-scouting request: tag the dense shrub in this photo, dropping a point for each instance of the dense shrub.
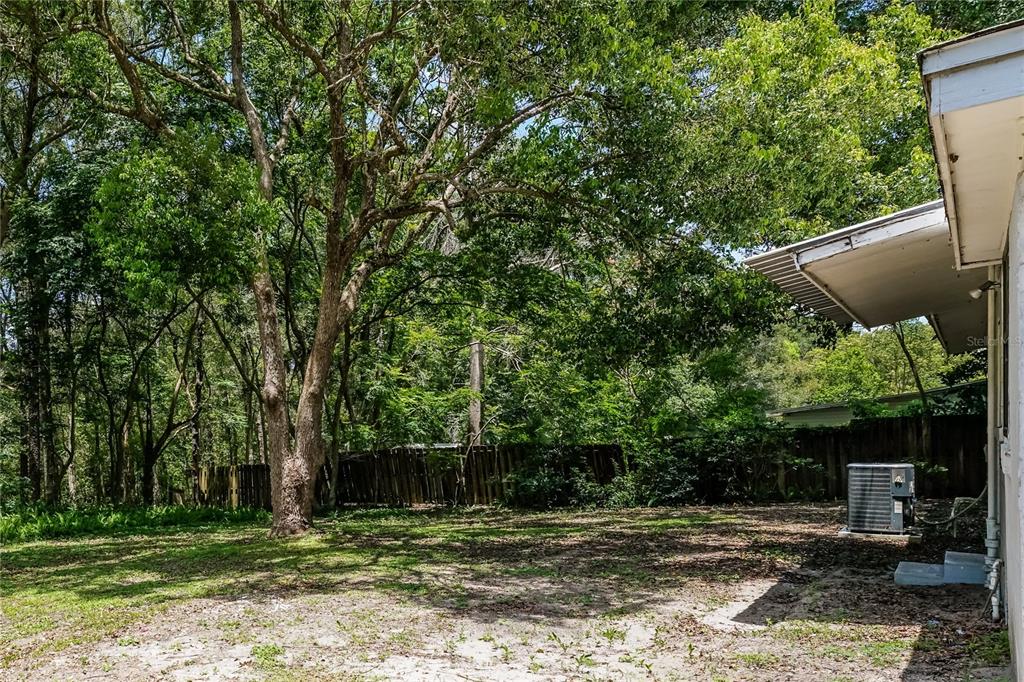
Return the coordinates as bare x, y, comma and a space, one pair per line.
734, 464
556, 476
712, 466
41, 524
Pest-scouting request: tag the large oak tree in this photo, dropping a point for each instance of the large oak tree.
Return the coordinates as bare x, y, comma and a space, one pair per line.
393, 120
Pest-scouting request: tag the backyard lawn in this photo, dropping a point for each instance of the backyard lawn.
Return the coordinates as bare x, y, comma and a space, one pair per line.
728, 593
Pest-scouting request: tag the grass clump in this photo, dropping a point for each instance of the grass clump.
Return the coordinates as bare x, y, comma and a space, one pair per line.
758, 660
885, 654
991, 649
267, 656
48, 524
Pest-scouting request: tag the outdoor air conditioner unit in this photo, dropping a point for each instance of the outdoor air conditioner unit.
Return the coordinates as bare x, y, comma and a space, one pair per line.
880, 498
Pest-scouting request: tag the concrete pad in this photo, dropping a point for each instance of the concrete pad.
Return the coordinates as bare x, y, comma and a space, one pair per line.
918, 574
894, 538
964, 568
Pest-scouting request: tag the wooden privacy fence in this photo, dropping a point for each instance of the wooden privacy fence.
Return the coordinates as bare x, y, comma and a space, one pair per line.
481, 474
241, 485
948, 451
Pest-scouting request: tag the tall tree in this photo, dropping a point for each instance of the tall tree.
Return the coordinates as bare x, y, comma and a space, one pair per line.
34, 118
396, 114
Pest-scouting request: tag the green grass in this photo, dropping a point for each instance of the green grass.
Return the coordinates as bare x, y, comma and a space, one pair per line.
267, 656
758, 660
125, 566
885, 653
43, 524
119, 568
991, 649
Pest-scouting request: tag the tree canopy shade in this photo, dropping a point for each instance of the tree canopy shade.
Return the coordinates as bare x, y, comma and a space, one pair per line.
284, 229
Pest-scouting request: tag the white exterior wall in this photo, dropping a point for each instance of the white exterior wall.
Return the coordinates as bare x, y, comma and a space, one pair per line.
1013, 500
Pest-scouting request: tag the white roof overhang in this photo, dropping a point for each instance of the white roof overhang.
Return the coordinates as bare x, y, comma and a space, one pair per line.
975, 92
893, 268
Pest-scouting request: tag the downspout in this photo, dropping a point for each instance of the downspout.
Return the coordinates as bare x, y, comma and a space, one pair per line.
992, 341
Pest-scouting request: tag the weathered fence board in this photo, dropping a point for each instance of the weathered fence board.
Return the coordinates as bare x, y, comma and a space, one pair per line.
242, 485
480, 474
949, 452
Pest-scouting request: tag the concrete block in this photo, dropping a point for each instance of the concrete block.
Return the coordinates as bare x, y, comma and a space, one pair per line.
964, 568
918, 574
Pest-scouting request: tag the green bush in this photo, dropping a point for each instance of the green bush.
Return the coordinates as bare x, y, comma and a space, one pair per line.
556, 476
44, 524
713, 466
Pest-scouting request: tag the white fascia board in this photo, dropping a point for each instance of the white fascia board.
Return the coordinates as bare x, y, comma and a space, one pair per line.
977, 84
869, 236
985, 46
946, 181
776, 255
960, 74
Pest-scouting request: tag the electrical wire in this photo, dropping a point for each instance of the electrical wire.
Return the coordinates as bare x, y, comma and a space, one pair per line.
956, 516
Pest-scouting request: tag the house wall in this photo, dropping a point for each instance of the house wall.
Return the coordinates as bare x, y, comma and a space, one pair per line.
1010, 459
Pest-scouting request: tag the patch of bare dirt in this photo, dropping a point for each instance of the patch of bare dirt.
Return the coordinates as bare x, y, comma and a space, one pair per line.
746, 593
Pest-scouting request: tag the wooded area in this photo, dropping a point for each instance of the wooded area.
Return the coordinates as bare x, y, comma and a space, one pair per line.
271, 233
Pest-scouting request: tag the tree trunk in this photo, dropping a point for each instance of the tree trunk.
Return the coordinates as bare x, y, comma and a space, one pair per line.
149, 482
287, 498
926, 422
72, 436
195, 424
31, 459
26, 463
5, 215
261, 433
72, 478
128, 483
98, 478
116, 450
476, 384
32, 337
902, 339
54, 469
293, 501
249, 419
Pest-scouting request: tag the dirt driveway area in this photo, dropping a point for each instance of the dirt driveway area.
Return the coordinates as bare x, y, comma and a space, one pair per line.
726, 593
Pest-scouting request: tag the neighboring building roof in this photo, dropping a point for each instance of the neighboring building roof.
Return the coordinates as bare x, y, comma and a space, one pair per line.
975, 91
892, 268
837, 414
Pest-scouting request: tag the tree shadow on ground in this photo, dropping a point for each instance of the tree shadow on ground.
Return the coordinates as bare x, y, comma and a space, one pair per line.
564, 566
846, 582
491, 566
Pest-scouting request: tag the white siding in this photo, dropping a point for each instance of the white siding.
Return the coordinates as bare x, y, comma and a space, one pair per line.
1013, 502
